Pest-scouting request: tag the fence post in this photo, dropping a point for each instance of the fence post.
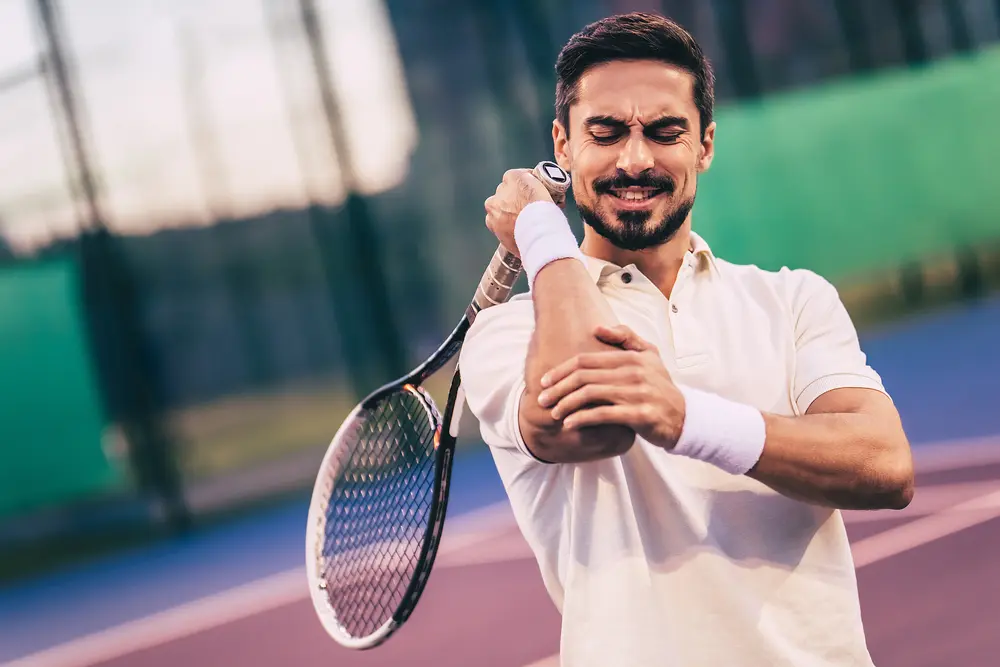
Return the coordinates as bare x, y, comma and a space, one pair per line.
362, 254
855, 33
908, 17
130, 378
539, 45
520, 136
958, 26
734, 30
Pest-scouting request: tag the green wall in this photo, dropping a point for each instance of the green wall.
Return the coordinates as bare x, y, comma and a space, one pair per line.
50, 417
859, 176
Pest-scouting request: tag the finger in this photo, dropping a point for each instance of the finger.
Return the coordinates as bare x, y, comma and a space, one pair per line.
512, 175
622, 337
622, 415
608, 359
591, 395
579, 378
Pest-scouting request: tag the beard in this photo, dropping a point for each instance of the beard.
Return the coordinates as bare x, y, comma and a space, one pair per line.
633, 231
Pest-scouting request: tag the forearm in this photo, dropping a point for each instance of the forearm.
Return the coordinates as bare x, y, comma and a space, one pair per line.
844, 460
848, 451
568, 308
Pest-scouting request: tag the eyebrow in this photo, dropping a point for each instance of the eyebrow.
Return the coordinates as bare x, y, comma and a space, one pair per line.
658, 124
667, 121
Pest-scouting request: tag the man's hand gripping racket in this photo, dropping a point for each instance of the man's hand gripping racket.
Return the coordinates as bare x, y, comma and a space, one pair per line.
379, 501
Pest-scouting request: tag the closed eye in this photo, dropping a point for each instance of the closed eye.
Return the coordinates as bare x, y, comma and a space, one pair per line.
607, 139
666, 137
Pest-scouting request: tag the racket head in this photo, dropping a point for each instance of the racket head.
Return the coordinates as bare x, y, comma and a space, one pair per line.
376, 515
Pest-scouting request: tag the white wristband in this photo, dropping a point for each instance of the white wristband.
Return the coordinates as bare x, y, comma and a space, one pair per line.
542, 234
722, 432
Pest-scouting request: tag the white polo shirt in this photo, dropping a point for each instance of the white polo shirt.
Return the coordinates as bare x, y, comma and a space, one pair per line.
654, 559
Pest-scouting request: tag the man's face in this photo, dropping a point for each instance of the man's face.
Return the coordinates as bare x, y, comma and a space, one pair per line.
634, 150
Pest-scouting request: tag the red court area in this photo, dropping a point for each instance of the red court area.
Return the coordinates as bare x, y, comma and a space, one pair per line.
929, 579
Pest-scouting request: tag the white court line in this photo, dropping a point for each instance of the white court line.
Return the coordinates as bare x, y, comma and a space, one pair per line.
929, 500
956, 454
926, 529
187, 619
503, 549
463, 533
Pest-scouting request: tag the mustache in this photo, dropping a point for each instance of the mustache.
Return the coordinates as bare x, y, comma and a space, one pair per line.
646, 179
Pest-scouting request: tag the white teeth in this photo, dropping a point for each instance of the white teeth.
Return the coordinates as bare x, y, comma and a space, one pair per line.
633, 195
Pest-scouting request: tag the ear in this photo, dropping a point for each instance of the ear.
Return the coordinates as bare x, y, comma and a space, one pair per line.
707, 148
560, 143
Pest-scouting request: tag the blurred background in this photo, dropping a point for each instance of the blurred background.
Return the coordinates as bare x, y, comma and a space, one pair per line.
223, 222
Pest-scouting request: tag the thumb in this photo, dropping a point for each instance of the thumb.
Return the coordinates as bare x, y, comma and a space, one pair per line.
621, 336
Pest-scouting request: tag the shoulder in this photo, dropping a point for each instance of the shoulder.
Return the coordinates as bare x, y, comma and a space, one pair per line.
505, 327
795, 288
516, 313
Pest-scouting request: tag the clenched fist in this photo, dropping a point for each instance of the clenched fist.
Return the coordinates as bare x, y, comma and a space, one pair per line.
518, 189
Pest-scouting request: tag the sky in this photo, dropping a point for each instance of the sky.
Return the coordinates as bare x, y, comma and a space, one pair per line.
191, 111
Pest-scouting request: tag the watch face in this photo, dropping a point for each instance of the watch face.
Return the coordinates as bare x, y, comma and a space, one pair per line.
554, 172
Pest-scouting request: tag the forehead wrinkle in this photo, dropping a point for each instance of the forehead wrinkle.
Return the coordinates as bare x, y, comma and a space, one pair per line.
629, 111
625, 89
653, 119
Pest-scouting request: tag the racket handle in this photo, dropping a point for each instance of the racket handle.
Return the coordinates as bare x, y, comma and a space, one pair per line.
505, 267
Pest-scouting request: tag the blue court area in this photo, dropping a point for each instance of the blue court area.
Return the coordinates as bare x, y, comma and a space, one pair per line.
943, 371
37, 614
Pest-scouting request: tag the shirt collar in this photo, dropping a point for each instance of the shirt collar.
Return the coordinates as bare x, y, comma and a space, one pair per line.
700, 255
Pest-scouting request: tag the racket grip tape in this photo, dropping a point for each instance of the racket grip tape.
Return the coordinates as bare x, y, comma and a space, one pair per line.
498, 280
505, 267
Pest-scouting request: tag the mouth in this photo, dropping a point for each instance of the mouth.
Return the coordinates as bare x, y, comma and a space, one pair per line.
635, 198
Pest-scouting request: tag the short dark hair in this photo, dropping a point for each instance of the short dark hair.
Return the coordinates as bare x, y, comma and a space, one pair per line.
634, 36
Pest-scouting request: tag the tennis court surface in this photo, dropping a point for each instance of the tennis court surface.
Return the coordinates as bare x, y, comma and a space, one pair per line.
929, 579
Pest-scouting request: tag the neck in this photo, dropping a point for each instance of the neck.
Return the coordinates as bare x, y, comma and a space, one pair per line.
660, 264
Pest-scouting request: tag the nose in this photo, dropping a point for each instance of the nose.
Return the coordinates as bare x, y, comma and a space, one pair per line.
635, 156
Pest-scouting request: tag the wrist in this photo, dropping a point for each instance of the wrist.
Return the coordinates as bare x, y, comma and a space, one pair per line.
719, 431
543, 236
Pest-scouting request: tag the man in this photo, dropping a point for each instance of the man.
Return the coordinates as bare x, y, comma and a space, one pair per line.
676, 433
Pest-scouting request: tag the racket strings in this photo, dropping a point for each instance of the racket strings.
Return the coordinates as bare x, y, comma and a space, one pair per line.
379, 508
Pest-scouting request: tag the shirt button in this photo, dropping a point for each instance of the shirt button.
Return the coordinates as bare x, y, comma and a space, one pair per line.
626, 278
674, 307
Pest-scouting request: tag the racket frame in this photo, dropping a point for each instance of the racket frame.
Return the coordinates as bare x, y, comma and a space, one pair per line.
444, 446
494, 288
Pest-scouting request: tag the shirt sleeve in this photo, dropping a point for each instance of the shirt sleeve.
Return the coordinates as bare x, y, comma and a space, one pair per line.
492, 364
828, 353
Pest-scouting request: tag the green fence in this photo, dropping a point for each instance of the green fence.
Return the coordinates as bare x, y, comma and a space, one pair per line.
50, 416
859, 176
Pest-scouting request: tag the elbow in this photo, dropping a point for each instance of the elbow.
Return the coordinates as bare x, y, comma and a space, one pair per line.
896, 481
902, 487
548, 441
589, 444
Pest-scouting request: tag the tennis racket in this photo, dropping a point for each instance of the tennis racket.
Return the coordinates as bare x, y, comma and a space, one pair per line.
379, 501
